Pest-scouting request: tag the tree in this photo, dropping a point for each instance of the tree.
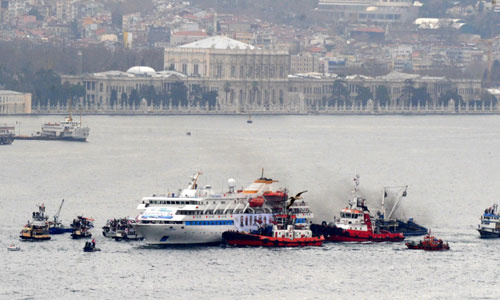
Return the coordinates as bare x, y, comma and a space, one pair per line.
420, 96
407, 92
133, 99
178, 94
210, 97
340, 94
382, 95
363, 94
113, 98
123, 99
227, 88
494, 75
445, 97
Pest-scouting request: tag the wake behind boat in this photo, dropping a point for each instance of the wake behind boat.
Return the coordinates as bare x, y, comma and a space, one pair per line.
198, 215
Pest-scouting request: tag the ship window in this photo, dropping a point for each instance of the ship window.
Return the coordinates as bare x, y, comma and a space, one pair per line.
176, 202
246, 221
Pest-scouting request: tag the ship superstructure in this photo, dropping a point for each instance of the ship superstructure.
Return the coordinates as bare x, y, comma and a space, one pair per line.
6, 134
490, 223
199, 215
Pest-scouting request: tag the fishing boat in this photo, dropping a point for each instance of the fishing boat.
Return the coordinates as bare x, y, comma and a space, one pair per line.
490, 223
38, 228
284, 232
6, 134
387, 221
429, 243
56, 226
355, 224
35, 232
199, 215
80, 227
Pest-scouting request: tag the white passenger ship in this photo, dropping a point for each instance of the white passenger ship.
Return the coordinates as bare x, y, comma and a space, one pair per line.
200, 216
65, 130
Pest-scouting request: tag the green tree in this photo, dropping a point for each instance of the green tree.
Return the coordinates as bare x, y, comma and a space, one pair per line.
445, 97
133, 99
420, 96
123, 99
382, 95
113, 99
210, 97
178, 94
340, 94
227, 88
363, 94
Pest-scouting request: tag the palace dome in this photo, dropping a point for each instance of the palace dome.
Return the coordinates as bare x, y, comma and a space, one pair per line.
141, 70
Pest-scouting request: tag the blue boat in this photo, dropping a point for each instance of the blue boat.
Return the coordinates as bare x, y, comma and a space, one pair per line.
387, 222
55, 226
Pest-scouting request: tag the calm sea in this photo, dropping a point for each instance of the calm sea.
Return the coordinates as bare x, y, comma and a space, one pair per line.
450, 164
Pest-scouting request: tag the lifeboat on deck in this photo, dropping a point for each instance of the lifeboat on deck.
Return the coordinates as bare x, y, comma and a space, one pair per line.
256, 202
277, 196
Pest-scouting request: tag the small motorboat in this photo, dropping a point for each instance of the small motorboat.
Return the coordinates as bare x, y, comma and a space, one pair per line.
249, 121
13, 247
429, 243
90, 247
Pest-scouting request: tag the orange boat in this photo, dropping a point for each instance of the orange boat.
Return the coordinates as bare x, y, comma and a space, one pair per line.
429, 243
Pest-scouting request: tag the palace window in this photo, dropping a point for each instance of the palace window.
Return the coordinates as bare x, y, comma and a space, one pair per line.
195, 71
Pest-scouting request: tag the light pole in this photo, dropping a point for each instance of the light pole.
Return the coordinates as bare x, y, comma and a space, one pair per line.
19, 126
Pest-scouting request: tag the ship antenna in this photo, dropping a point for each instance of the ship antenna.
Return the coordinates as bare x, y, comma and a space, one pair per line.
262, 174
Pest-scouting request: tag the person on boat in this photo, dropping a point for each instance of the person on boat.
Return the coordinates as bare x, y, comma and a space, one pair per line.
93, 243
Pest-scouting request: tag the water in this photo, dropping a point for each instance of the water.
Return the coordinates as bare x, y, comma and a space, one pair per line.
449, 162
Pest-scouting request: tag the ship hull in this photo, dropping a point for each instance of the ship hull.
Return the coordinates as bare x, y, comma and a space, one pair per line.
336, 234
488, 234
30, 238
50, 138
235, 238
6, 140
398, 226
59, 230
177, 234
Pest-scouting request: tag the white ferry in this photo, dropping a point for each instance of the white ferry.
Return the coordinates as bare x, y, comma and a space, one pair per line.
490, 223
65, 130
200, 216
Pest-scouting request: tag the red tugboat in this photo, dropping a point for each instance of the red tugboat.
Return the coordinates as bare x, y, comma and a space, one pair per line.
429, 243
355, 224
283, 233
